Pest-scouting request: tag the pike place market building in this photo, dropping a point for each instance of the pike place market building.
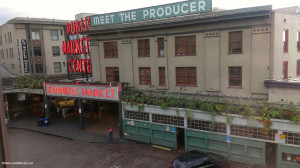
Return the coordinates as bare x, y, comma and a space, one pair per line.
186, 48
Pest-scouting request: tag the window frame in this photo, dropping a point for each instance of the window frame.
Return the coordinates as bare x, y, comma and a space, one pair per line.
185, 46
161, 82
56, 55
110, 49
230, 77
113, 75
145, 54
52, 35
37, 49
298, 67
161, 46
230, 41
298, 41
11, 53
285, 67
186, 76
145, 77
54, 68
285, 41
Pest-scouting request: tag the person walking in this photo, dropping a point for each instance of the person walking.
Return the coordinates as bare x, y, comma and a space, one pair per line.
110, 134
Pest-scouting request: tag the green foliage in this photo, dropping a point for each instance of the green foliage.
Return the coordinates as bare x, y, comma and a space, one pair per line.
167, 100
29, 81
188, 114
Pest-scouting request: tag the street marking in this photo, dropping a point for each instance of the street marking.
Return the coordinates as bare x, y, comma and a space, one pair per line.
160, 147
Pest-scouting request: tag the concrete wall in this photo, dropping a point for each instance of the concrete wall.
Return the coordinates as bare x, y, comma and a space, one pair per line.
286, 94
48, 44
17, 34
211, 61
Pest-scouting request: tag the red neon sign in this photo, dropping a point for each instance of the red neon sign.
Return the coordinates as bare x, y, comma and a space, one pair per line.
73, 47
77, 26
80, 65
82, 91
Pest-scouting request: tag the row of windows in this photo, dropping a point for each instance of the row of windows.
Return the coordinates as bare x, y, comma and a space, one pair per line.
184, 46
10, 55
237, 130
8, 38
185, 76
35, 34
285, 35
285, 69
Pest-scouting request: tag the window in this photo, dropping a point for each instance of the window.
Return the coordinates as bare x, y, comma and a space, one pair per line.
0, 40
11, 53
35, 34
7, 53
185, 46
285, 69
39, 68
54, 35
235, 77
2, 54
112, 74
12, 66
110, 49
37, 51
57, 66
298, 68
186, 76
5, 39
285, 40
298, 41
161, 47
162, 76
145, 76
144, 48
55, 51
73, 36
9, 38
235, 42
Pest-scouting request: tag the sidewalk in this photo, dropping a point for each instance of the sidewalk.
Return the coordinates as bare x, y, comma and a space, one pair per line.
68, 128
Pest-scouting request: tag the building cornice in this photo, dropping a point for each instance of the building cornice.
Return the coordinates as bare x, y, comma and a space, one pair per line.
182, 21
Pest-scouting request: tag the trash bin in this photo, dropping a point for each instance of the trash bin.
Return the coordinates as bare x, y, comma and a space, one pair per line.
45, 122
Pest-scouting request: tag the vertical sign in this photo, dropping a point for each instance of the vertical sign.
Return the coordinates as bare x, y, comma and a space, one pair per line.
25, 56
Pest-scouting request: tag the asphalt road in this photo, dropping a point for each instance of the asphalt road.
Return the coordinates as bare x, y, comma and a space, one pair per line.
47, 151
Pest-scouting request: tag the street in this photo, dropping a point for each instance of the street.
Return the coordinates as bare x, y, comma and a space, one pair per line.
47, 151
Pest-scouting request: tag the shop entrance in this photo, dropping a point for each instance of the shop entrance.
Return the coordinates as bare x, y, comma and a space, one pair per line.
271, 150
106, 114
180, 138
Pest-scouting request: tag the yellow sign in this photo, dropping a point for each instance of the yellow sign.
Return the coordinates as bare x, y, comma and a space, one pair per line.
282, 136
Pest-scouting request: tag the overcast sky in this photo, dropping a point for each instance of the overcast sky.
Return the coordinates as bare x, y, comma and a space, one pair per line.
67, 9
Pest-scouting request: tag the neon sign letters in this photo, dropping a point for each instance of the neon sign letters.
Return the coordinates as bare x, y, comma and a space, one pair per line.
78, 46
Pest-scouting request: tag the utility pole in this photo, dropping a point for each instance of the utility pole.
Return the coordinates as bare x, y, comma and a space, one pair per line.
4, 155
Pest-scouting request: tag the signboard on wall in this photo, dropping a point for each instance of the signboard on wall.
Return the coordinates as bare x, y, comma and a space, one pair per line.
25, 55
84, 91
154, 12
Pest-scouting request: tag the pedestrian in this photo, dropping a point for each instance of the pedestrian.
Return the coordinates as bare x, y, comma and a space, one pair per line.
110, 134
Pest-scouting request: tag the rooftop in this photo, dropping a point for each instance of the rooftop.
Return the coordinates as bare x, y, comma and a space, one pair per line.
38, 21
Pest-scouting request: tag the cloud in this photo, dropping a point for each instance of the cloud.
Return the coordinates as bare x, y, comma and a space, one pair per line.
7, 14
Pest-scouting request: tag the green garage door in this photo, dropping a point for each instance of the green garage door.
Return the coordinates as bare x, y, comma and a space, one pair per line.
241, 150
150, 133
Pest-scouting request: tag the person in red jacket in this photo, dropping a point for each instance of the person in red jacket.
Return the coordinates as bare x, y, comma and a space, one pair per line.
110, 131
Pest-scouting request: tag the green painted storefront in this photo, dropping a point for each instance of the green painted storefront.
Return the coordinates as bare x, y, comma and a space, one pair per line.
239, 149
